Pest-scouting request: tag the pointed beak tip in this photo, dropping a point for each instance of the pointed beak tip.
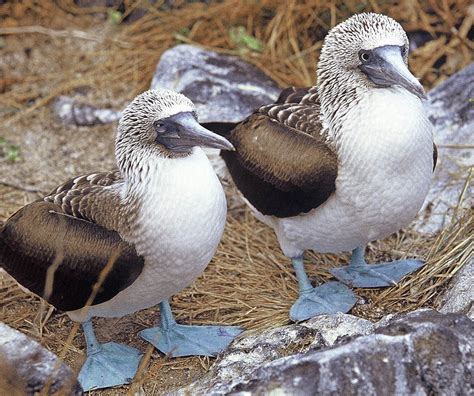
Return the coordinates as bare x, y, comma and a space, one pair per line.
213, 140
218, 142
420, 93
230, 147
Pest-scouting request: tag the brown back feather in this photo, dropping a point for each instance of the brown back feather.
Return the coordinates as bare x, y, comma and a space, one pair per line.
282, 164
85, 197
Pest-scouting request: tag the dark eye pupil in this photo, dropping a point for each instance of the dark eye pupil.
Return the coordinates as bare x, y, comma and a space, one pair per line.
365, 56
159, 126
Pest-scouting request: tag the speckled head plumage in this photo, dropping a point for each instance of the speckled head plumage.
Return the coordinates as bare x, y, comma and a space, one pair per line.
161, 123
136, 127
153, 105
365, 52
360, 32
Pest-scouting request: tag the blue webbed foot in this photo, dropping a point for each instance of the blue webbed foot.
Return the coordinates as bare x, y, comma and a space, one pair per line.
180, 340
361, 274
107, 365
329, 298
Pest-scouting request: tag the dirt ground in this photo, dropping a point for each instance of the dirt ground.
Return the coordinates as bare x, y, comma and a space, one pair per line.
249, 282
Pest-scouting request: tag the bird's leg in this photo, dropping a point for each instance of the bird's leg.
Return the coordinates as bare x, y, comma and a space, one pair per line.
166, 315
92, 345
360, 274
328, 298
176, 340
107, 364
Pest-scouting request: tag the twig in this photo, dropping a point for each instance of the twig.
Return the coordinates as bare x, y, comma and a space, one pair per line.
61, 33
30, 189
44, 101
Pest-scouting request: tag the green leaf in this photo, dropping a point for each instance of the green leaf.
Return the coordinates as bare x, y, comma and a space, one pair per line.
185, 31
242, 38
12, 153
114, 17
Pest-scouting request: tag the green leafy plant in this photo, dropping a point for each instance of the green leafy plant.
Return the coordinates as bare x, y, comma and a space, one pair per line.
9, 151
244, 40
114, 17
185, 31
182, 34
12, 153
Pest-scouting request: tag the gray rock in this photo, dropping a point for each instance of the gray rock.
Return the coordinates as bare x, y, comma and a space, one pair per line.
421, 353
26, 367
253, 350
81, 114
459, 297
452, 115
223, 88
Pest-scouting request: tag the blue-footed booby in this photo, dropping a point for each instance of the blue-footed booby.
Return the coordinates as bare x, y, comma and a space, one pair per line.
337, 165
157, 220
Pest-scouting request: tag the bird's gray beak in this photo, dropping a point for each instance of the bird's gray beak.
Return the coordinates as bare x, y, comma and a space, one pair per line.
181, 132
385, 67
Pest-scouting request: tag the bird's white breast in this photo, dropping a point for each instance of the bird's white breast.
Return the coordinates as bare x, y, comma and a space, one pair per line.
385, 157
179, 226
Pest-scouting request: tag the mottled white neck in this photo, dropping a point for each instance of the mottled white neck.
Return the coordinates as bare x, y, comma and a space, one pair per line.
338, 94
146, 173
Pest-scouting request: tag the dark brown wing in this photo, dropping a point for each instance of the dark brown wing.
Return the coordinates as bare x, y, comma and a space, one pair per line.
43, 231
281, 164
90, 197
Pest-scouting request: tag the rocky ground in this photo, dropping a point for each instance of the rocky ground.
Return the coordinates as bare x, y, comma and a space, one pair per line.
422, 352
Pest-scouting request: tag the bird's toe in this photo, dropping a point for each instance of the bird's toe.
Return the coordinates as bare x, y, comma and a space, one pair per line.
329, 298
376, 275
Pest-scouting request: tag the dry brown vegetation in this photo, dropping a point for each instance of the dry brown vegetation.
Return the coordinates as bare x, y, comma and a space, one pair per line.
292, 32
55, 47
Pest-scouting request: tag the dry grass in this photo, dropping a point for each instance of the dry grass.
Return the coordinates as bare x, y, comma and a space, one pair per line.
292, 33
249, 282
